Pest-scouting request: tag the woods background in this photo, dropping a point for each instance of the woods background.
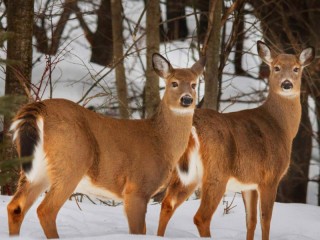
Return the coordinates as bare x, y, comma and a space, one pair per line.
98, 53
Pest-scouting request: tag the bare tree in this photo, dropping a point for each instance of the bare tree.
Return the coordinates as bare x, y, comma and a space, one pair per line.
212, 80
40, 30
116, 10
152, 97
177, 27
100, 40
19, 57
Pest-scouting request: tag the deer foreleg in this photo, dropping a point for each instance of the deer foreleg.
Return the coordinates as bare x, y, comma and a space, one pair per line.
250, 199
136, 208
267, 198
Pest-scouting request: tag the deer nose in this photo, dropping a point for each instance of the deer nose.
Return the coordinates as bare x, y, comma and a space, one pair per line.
286, 85
186, 101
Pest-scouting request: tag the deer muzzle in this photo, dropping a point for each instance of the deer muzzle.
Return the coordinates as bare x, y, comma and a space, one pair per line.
286, 85
186, 101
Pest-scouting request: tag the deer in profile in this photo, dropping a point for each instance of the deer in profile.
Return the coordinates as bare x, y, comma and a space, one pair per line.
246, 151
76, 150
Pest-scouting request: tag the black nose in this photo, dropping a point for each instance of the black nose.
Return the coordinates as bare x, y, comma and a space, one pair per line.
186, 101
286, 85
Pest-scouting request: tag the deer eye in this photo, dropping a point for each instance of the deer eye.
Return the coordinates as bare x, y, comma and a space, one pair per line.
296, 69
174, 84
193, 85
277, 69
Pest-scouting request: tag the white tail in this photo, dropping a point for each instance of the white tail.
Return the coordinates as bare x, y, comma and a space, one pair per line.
74, 148
247, 151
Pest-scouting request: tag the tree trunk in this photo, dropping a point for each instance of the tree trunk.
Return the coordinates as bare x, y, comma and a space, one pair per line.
239, 46
19, 53
211, 76
152, 96
177, 29
116, 9
102, 50
19, 61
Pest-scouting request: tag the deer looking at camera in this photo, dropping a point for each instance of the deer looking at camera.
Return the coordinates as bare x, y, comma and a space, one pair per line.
77, 150
247, 151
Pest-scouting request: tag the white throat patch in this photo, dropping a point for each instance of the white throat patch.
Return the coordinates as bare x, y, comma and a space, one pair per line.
182, 111
289, 94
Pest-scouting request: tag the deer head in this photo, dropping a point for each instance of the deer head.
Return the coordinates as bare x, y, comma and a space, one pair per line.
285, 69
180, 83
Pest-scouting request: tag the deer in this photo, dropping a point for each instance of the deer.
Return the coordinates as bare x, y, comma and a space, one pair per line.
246, 151
73, 149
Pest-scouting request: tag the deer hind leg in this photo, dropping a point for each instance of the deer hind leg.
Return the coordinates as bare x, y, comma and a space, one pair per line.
62, 187
176, 194
21, 202
250, 199
135, 206
267, 198
212, 193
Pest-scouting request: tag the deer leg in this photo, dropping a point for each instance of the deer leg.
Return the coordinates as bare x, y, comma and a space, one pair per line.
63, 183
267, 198
212, 193
176, 194
21, 202
250, 199
136, 208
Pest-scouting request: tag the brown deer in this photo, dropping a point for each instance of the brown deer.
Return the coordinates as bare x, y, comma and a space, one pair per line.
76, 150
247, 151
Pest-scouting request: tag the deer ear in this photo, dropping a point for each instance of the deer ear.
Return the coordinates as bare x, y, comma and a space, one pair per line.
199, 65
306, 56
161, 65
264, 52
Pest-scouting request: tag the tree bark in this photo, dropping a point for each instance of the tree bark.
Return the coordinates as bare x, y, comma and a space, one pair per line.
116, 10
152, 97
102, 50
211, 76
100, 40
177, 29
19, 53
18, 63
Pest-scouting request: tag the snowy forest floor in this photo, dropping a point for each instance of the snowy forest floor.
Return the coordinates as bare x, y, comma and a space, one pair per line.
289, 222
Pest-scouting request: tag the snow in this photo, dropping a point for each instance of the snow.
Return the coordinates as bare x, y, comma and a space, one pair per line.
289, 222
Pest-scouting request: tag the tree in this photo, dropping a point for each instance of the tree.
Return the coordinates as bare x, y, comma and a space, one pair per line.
212, 81
100, 40
19, 59
152, 97
177, 24
116, 9
40, 31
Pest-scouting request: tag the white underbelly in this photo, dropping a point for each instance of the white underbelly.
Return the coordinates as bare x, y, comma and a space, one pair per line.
236, 186
86, 187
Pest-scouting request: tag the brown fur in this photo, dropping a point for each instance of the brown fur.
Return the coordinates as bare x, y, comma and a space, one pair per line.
130, 158
253, 146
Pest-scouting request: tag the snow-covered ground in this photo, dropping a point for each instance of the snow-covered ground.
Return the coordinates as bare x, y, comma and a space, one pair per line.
289, 222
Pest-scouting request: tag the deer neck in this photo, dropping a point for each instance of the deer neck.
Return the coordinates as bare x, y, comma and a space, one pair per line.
286, 111
173, 131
